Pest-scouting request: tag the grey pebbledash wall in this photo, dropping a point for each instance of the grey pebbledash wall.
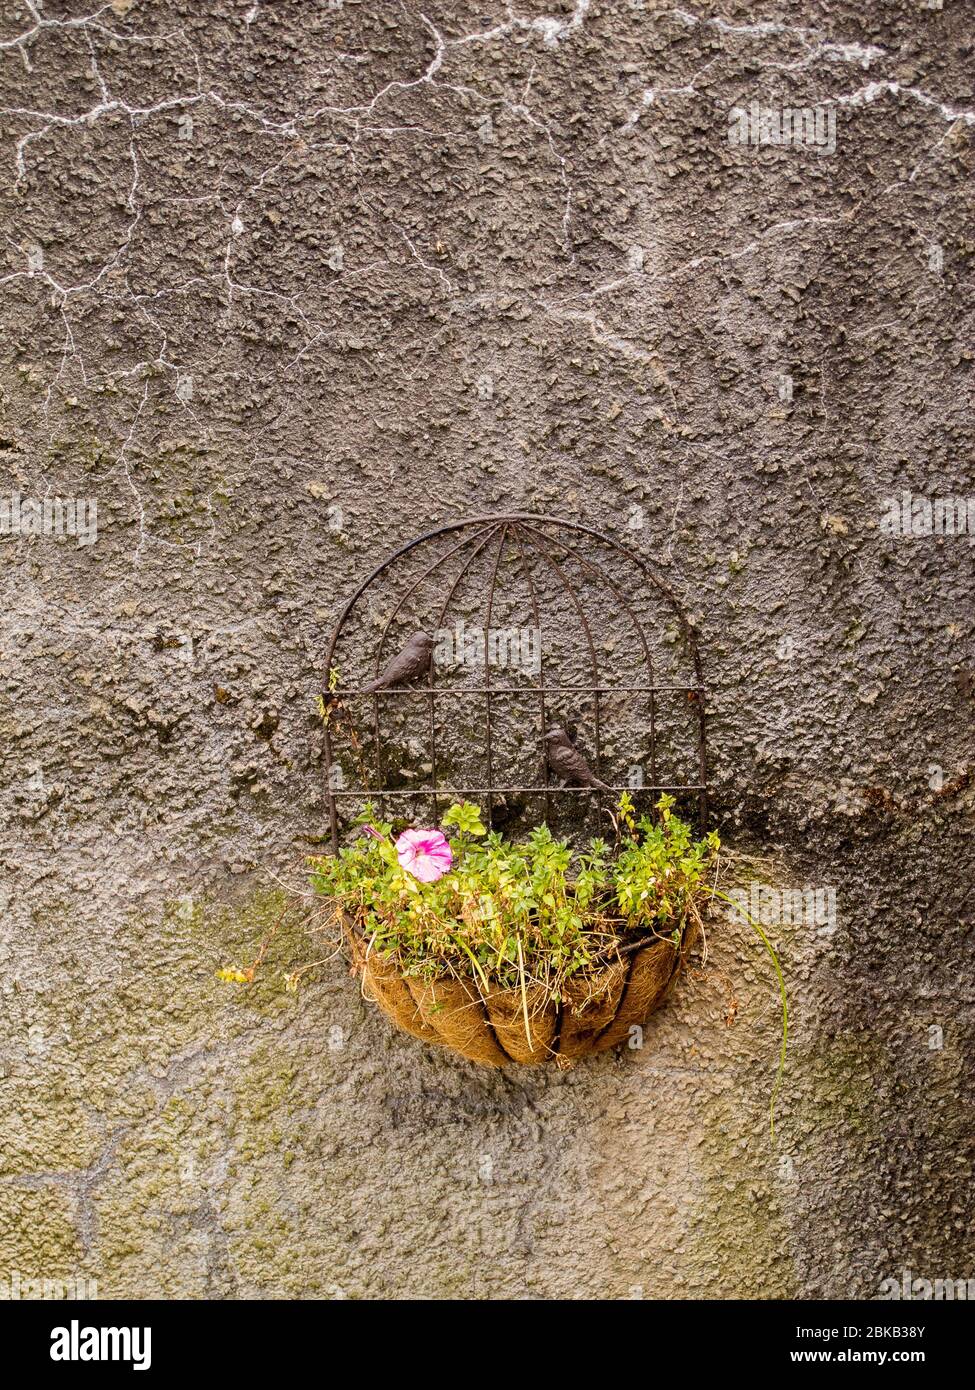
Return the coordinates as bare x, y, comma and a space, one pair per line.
282, 284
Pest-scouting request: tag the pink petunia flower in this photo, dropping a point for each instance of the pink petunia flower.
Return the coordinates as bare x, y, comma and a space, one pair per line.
424, 853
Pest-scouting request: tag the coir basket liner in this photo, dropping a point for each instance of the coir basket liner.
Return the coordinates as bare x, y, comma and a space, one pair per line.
596, 1013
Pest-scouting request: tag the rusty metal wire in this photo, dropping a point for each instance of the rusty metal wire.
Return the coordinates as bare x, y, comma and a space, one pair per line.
534, 543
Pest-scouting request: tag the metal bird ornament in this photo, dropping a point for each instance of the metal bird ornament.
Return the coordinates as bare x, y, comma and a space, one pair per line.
411, 662
567, 762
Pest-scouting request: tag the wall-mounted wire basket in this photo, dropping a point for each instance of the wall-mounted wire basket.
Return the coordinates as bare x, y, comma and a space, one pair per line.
540, 668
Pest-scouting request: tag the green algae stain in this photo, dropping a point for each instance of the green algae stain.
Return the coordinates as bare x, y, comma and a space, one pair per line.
839, 1085
272, 937
38, 1236
740, 1226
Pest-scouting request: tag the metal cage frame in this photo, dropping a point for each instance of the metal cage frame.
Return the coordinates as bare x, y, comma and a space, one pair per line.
530, 533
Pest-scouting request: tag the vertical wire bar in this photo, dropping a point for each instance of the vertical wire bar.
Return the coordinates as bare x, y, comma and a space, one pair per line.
595, 696
433, 754
653, 735
702, 761
379, 756
487, 674
536, 613
333, 813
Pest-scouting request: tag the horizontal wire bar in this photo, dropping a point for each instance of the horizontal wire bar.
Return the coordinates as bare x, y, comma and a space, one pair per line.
522, 791
516, 690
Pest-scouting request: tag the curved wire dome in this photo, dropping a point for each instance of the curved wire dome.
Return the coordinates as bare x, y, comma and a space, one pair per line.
536, 622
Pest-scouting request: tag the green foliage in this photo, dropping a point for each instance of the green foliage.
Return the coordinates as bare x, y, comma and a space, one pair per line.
658, 875
466, 817
534, 912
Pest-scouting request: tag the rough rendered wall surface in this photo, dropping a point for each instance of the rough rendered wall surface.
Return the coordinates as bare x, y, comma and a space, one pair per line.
280, 285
